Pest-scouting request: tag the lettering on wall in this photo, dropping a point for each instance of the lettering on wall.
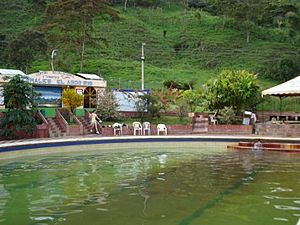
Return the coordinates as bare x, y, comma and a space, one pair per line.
67, 82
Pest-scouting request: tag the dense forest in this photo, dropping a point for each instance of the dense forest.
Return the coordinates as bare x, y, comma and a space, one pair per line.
185, 40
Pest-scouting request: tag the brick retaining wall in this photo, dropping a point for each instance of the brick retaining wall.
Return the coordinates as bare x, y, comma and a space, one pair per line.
230, 129
74, 130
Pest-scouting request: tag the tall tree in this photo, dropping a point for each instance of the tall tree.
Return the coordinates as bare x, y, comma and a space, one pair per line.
25, 47
74, 20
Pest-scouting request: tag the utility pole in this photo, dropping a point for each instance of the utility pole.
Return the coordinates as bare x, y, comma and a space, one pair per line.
143, 60
53, 54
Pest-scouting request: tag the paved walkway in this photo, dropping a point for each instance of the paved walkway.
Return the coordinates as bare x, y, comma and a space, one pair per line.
105, 139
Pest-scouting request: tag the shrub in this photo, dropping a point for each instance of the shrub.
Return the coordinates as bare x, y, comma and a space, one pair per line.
237, 89
19, 100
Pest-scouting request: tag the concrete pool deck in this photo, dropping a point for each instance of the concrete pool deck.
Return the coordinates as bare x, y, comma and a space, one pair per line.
23, 144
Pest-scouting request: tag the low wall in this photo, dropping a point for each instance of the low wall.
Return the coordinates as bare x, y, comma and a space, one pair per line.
229, 129
40, 132
74, 130
179, 129
278, 130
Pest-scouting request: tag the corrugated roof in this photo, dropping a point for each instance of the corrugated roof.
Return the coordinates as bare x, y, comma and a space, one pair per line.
88, 76
10, 72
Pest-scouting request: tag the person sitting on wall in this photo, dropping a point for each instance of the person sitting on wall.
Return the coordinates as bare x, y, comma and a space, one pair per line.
94, 121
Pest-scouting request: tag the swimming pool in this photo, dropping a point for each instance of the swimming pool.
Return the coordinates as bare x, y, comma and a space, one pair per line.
181, 183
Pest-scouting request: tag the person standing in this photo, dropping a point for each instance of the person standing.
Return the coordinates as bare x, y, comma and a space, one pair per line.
94, 121
253, 122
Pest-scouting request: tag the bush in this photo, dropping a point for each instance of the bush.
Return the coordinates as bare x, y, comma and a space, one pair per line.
19, 101
227, 116
237, 89
107, 106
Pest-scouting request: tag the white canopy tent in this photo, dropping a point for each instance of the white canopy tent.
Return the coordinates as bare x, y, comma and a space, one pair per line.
289, 88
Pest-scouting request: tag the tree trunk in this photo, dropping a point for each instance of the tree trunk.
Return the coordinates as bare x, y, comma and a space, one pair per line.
223, 21
82, 53
248, 35
125, 4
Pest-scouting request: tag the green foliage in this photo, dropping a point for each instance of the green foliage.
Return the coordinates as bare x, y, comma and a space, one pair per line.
159, 101
282, 69
141, 105
236, 89
26, 47
192, 98
227, 116
18, 99
170, 84
107, 106
169, 120
114, 46
73, 21
182, 108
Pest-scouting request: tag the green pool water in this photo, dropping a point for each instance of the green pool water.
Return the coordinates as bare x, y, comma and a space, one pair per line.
150, 184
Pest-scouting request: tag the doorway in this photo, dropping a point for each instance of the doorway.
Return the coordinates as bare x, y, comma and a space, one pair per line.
90, 97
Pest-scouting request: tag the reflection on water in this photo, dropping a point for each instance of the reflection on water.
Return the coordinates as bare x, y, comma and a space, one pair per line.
173, 186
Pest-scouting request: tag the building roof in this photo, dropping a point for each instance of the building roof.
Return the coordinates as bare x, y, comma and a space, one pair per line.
88, 76
289, 88
9, 72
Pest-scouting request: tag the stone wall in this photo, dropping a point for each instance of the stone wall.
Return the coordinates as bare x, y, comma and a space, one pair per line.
229, 129
278, 129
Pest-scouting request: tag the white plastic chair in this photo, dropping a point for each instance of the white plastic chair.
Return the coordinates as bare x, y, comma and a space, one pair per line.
117, 129
213, 119
146, 127
137, 128
162, 128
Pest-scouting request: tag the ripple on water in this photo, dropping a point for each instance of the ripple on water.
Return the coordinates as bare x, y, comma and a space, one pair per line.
42, 218
286, 207
280, 189
281, 219
102, 209
280, 197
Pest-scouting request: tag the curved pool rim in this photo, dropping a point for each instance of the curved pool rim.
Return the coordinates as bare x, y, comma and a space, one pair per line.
10, 146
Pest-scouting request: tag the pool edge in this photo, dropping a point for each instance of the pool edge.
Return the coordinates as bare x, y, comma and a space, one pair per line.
71, 141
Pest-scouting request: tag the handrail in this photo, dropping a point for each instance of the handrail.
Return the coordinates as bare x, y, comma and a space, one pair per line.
87, 114
78, 122
65, 123
43, 118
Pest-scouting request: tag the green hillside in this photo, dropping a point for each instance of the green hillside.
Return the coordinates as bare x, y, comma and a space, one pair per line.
180, 44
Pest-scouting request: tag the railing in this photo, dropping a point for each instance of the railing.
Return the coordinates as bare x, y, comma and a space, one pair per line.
62, 121
77, 121
41, 116
45, 122
87, 114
